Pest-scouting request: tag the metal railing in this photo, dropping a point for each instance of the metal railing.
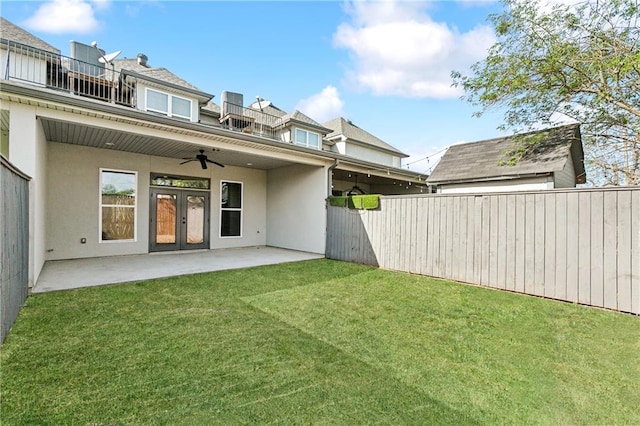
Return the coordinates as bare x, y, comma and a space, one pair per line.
249, 120
48, 69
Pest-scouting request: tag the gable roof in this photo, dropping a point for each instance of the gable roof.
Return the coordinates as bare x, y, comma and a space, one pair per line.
158, 74
485, 160
11, 32
299, 117
346, 128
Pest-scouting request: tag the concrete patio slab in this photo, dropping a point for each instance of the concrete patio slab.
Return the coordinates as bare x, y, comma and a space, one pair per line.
76, 273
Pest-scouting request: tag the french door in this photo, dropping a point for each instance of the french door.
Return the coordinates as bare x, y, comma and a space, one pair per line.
179, 219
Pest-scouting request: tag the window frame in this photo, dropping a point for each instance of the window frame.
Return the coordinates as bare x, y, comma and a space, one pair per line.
134, 206
306, 141
169, 112
232, 209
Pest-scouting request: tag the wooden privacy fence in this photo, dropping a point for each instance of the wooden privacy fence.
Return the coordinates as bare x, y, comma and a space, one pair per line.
579, 245
14, 243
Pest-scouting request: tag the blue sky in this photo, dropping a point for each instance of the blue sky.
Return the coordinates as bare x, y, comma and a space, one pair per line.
384, 65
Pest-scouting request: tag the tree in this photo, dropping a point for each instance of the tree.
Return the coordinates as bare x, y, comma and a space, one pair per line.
580, 62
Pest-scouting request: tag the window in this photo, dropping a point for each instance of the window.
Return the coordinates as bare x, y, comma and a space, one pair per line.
230, 209
306, 138
171, 105
117, 205
158, 179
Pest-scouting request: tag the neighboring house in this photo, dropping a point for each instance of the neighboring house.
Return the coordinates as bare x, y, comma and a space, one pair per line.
557, 161
115, 149
350, 140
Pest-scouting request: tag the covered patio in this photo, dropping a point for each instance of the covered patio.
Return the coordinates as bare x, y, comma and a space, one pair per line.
77, 273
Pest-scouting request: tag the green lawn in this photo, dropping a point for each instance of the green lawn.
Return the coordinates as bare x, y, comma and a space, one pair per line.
316, 342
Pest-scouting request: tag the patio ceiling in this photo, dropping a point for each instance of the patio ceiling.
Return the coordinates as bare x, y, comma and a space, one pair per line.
81, 134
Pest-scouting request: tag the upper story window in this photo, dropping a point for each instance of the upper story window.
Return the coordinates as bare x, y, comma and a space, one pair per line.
165, 103
306, 138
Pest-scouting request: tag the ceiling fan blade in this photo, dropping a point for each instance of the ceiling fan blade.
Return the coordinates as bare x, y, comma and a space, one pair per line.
188, 160
215, 162
203, 162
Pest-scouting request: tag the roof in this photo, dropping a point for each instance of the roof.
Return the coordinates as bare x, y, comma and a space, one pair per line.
9, 31
344, 127
486, 160
303, 119
155, 73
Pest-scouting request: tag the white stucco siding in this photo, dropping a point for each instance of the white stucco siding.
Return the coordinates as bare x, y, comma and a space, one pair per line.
296, 210
372, 155
28, 152
567, 177
528, 184
74, 193
254, 207
74, 196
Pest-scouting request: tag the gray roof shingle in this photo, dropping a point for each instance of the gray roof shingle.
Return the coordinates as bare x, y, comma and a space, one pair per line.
487, 159
157, 73
301, 118
12, 32
346, 128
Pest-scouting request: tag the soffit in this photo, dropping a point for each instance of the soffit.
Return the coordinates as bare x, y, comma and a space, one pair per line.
80, 134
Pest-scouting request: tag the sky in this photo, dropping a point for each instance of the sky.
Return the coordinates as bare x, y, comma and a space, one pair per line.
385, 65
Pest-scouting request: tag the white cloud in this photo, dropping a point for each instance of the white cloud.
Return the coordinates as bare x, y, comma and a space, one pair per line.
66, 16
322, 106
397, 49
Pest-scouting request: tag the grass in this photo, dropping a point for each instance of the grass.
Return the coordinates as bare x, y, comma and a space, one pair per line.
316, 342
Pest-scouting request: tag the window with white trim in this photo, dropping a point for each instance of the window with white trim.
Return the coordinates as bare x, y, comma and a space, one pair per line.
306, 138
230, 209
168, 104
117, 205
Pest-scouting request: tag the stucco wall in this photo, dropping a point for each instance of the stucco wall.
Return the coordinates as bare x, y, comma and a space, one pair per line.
296, 210
368, 154
28, 151
73, 200
530, 184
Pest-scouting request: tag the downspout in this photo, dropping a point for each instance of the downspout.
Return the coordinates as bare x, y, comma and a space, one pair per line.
330, 176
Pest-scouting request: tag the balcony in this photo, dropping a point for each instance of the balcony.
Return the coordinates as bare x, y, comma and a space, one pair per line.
248, 120
47, 69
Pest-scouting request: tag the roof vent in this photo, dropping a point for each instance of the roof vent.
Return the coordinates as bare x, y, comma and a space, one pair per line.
142, 59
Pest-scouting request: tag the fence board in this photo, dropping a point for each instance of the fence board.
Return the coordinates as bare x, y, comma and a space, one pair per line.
485, 239
584, 248
573, 243
635, 252
501, 252
597, 249
519, 267
538, 280
560, 273
510, 272
610, 246
550, 246
624, 265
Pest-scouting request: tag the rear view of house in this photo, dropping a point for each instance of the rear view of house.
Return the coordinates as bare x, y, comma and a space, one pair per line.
128, 158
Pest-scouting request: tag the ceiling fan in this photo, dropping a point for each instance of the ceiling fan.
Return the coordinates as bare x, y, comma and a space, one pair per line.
202, 159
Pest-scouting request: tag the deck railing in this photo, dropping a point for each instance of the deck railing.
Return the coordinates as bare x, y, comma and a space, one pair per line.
249, 120
48, 69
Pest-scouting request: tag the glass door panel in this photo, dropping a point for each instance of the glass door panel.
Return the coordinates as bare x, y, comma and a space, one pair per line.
166, 219
195, 219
